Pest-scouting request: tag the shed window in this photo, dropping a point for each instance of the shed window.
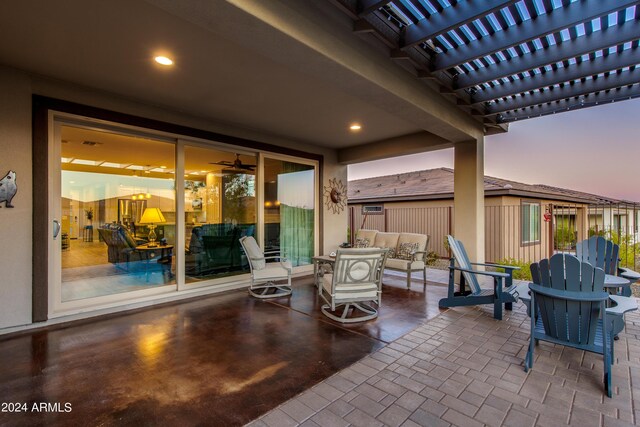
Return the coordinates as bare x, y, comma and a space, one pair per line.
530, 222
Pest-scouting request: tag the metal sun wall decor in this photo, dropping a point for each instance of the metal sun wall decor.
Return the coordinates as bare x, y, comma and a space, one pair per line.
335, 195
8, 189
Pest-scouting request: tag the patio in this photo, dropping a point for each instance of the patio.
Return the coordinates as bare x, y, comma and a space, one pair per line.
464, 368
225, 359
230, 359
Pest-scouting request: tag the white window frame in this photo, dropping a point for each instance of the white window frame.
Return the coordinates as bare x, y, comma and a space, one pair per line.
534, 227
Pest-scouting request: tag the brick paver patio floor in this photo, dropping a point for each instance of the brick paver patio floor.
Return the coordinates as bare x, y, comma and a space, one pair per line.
464, 368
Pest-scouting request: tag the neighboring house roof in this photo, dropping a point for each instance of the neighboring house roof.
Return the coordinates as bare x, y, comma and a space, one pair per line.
434, 184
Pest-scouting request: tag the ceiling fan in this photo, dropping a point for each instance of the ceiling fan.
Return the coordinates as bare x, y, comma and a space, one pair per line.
236, 165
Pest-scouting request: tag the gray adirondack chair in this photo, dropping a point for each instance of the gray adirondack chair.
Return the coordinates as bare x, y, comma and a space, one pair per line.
503, 291
605, 254
569, 299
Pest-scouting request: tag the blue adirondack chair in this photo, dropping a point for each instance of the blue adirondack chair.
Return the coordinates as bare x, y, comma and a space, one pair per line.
569, 299
605, 254
503, 291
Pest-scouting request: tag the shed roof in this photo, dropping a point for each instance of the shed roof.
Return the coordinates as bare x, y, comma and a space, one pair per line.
438, 184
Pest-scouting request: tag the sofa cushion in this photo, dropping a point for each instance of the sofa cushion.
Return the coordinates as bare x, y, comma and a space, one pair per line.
355, 290
362, 242
273, 271
406, 250
254, 253
420, 239
402, 264
366, 234
387, 240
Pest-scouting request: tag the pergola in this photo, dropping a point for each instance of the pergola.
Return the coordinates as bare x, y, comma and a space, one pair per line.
503, 61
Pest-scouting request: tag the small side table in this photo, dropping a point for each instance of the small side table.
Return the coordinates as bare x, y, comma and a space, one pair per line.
150, 252
318, 262
87, 235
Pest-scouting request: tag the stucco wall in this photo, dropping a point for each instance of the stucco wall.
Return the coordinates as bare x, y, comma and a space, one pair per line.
15, 224
16, 89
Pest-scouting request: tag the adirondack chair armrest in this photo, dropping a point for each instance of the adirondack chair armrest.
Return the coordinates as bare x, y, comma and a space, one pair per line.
509, 268
623, 304
628, 274
569, 295
484, 273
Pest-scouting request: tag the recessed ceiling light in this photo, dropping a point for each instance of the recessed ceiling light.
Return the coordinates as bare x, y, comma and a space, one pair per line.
163, 60
355, 127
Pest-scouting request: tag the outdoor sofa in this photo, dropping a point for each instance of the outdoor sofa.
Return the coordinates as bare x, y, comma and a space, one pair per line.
407, 251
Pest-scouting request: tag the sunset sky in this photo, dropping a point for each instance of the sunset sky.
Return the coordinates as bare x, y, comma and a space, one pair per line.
596, 150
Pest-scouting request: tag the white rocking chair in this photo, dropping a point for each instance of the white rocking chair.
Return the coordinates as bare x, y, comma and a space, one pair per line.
263, 274
356, 282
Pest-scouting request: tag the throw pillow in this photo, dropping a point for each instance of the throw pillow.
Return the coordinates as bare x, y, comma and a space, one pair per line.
405, 250
362, 243
392, 253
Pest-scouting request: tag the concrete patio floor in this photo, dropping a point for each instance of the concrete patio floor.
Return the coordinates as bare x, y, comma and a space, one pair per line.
219, 360
464, 368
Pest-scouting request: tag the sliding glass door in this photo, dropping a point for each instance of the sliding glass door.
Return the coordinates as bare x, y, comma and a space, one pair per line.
134, 214
116, 194
219, 209
289, 209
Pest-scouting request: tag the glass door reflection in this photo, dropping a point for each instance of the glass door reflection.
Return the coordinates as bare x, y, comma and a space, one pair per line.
220, 208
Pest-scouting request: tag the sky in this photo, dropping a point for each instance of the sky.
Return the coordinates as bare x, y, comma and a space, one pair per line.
595, 150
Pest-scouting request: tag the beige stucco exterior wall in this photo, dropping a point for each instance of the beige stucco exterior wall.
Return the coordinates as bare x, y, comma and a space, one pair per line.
17, 89
502, 224
432, 217
15, 224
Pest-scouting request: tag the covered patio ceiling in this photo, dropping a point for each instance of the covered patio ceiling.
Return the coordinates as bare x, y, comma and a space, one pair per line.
508, 60
291, 70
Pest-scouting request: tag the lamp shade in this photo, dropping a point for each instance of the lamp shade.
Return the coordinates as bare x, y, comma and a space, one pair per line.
152, 216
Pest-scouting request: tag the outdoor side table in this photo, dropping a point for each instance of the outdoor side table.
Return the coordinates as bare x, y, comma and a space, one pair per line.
320, 262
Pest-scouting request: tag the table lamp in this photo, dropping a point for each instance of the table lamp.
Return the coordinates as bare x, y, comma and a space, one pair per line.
150, 217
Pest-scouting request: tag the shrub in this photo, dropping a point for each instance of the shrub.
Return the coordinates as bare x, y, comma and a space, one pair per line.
628, 249
523, 274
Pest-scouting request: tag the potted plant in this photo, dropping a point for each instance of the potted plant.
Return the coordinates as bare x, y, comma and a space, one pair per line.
89, 214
